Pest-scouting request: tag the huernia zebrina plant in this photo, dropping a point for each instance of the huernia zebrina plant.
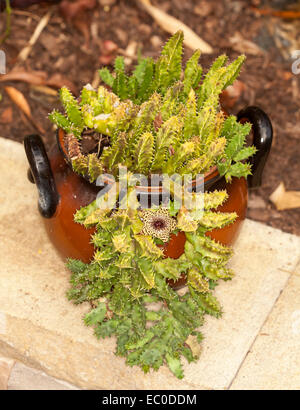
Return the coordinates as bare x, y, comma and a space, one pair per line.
158, 120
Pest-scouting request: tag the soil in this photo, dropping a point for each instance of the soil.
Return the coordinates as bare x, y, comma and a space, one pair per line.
75, 49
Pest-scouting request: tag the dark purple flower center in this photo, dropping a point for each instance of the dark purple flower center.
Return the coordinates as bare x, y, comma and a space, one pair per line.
158, 224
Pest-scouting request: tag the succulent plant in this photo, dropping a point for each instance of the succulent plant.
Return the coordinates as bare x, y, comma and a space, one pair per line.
130, 271
156, 121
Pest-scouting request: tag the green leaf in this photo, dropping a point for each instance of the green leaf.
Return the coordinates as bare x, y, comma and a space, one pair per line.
185, 221
245, 153
76, 266
192, 73
233, 70
172, 268
144, 152
148, 247
120, 84
94, 167
121, 241
208, 303
238, 170
106, 76
196, 280
217, 220
96, 315
72, 109
173, 50
84, 212
174, 365
60, 121
144, 76
190, 124
182, 153
214, 199
167, 135
103, 255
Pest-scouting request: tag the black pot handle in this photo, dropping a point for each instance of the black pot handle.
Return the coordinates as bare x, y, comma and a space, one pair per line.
41, 173
262, 139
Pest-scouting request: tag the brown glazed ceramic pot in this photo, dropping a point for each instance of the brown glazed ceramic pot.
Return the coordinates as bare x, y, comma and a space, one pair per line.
62, 192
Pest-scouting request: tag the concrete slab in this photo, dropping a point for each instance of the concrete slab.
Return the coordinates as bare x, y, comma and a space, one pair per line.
6, 365
262, 258
26, 378
274, 359
40, 328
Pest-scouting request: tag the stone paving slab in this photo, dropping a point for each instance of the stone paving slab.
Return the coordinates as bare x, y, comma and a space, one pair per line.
26, 378
40, 328
6, 365
273, 362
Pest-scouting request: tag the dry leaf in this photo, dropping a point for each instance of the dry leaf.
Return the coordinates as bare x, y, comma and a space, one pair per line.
7, 116
171, 25
18, 98
193, 344
39, 78
283, 199
242, 45
33, 77
43, 89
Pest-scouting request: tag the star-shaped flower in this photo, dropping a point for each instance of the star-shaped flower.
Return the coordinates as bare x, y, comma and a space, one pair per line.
158, 223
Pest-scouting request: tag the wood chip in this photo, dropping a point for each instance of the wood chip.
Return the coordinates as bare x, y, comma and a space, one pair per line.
283, 199
171, 25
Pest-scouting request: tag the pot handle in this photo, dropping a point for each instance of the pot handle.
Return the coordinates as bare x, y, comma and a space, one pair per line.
40, 172
262, 140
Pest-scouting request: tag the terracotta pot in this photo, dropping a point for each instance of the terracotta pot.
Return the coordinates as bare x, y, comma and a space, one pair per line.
62, 192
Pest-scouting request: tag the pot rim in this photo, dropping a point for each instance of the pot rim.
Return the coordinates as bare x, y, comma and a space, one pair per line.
210, 177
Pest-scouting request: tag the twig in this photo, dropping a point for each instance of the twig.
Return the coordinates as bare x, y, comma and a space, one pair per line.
24, 53
285, 14
26, 14
8, 22
123, 52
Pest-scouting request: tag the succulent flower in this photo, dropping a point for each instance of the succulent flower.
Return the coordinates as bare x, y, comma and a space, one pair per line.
158, 223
